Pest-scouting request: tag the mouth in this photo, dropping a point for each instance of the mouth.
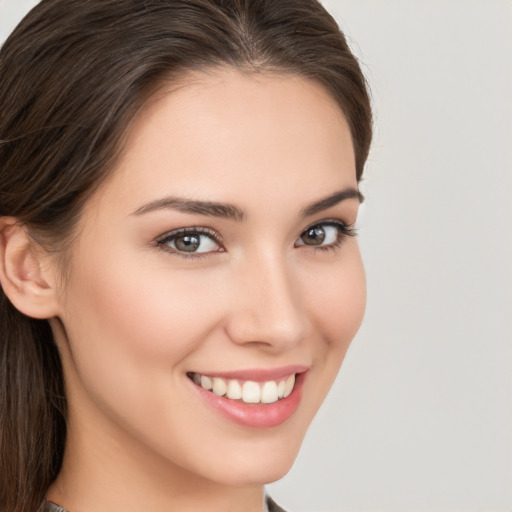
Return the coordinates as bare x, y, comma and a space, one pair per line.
249, 391
252, 398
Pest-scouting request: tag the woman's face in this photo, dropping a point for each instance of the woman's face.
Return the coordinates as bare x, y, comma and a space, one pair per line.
218, 252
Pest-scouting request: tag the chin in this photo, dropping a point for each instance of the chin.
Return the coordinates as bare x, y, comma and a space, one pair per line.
260, 465
254, 475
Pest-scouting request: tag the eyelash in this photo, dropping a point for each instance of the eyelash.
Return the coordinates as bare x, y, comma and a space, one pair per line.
344, 231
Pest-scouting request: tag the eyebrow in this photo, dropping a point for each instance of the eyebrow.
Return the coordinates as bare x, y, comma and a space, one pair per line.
332, 200
209, 208
232, 212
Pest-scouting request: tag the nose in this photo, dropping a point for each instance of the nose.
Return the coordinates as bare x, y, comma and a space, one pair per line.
267, 305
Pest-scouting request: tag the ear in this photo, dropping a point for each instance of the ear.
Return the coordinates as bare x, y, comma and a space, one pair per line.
25, 273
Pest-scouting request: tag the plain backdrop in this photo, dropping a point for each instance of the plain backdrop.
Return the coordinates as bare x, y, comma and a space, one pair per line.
420, 418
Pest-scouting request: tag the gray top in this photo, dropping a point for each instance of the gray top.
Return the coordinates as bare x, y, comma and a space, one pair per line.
271, 506
49, 506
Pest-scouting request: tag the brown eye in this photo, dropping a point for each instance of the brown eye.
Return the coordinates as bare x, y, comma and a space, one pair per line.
313, 236
187, 243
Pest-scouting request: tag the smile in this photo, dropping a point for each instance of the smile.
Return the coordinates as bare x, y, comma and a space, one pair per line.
254, 398
249, 392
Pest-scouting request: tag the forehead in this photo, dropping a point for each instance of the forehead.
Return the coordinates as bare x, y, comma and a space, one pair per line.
223, 132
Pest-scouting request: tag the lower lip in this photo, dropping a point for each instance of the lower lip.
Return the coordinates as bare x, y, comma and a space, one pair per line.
255, 415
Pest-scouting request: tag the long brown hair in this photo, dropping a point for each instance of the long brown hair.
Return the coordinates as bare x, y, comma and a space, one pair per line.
73, 75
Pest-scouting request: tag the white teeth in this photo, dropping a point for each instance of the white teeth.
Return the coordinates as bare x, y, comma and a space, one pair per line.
280, 389
219, 386
206, 382
269, 392
234, 390
288, 386
249, 392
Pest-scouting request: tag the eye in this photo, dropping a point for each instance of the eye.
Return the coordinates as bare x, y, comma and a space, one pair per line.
325, 235
190, 241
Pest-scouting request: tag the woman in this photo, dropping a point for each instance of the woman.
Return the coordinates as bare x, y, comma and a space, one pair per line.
180, 283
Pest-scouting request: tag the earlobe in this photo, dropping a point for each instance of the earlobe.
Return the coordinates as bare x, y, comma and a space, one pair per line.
24, 279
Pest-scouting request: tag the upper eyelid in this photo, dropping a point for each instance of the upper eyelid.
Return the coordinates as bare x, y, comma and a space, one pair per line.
333, 222
328, 221
201, 230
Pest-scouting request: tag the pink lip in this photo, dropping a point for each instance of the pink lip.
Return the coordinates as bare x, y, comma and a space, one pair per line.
255, 415
259, 375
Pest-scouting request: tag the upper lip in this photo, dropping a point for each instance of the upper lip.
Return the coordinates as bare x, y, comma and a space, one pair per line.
258, 374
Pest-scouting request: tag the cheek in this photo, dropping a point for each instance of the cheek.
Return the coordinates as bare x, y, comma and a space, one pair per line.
337, 308
340, 300
131, 328
144, 311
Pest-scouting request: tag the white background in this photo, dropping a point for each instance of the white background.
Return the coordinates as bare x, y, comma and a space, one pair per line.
420, 418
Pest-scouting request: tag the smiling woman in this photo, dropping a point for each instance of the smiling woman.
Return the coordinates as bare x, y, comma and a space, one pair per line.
180, 280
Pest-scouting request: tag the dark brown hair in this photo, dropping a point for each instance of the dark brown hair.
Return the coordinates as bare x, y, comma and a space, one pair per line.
73, 75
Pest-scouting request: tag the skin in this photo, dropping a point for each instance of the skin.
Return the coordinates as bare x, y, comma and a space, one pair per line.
134, 317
